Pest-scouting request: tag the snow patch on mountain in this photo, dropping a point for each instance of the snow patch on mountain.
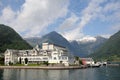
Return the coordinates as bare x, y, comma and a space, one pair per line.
87, 39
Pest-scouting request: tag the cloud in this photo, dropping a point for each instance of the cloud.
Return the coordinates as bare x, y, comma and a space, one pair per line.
69, 22
106, 35
35, 16
72, 35
8, 15
102, 10
110, 12
88, 14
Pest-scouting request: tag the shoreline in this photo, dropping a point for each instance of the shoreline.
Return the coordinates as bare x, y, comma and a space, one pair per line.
43, 67
113, 64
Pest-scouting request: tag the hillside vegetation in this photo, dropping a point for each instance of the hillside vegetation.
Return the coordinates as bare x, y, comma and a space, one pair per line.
10, 39
110, 50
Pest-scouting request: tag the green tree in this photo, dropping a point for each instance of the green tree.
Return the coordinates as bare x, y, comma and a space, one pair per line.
20, 60
46, 63
76, 58
2, 60
10, 63
26, 60
10, 39
80, 62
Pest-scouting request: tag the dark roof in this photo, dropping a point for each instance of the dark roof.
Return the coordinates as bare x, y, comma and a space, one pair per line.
57, 45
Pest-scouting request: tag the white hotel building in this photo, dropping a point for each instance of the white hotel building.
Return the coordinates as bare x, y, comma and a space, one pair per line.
50, 52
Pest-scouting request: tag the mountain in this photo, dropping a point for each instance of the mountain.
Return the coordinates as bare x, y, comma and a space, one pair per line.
80, 48
10, 39
33, 41
87, 46
110, 49
56, 38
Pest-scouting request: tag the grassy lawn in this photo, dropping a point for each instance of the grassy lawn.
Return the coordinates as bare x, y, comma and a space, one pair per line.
1, 64
33, 64
27, 65
18, 65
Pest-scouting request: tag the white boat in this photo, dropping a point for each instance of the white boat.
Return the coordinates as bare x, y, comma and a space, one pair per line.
95, 65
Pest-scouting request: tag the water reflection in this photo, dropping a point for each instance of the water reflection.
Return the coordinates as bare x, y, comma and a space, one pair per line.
77, 74
29, 74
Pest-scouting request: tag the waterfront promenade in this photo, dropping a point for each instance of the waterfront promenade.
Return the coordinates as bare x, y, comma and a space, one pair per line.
43, 67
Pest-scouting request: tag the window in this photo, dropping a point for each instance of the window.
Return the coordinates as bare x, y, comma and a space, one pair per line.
33, 51
22, 59
54, 58
55, 53
29, 58
38, 58
59, 57
65, 57
45, 58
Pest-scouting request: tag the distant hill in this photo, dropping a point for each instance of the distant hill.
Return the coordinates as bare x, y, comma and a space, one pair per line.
33, 41
10, 39
88, 47
110, 50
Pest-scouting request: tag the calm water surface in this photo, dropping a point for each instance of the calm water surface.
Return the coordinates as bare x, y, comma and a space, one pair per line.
102, 73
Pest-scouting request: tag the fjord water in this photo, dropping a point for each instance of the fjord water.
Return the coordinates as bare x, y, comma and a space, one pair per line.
102, 73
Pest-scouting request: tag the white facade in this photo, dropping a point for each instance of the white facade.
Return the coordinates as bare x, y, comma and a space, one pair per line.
10, 56
50, 52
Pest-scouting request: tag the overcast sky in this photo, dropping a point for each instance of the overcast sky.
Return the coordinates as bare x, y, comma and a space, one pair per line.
74, 19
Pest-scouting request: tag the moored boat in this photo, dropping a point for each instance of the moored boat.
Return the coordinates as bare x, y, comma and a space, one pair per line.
95, 65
